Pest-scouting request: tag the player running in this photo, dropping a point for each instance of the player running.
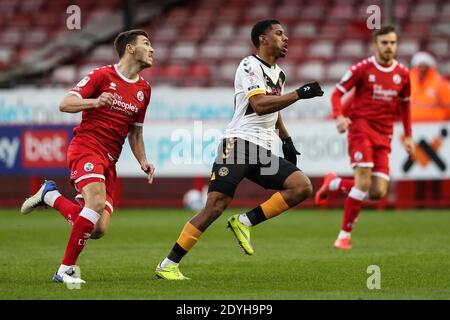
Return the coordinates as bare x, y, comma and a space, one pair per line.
245, 149
381, 87
113, 100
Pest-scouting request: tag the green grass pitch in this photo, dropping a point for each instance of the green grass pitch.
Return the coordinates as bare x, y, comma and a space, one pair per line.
294, 258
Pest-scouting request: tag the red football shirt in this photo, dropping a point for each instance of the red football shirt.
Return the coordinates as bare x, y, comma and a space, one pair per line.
378, 92
106, 127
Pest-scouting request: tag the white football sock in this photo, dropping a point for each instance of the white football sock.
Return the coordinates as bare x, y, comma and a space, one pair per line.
344, 235
167, 262
51, 196
244, 220
62, 268
334, 184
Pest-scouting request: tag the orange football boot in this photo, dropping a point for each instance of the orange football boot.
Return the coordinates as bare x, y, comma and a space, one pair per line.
322, 195
344, 244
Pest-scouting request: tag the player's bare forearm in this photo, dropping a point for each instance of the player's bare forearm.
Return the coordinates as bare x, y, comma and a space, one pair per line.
136, 140
73, 104
263, 104
279, 125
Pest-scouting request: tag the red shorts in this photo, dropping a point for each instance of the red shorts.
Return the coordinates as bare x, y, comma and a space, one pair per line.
87, 166
370, 150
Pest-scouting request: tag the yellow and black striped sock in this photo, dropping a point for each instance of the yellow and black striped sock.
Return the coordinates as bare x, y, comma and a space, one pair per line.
269, 209
187, 239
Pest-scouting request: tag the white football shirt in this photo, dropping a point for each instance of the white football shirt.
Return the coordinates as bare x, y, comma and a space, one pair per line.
254, 76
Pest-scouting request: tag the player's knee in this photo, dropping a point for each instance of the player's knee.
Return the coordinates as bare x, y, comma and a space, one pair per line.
97, 204
216, 207
377, 194
303, 190
363, 184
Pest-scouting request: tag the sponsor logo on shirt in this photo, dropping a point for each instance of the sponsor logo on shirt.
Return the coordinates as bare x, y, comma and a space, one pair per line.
123, 107
383, 94
113, 86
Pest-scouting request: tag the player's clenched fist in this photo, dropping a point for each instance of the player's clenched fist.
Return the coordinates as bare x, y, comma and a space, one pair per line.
342, 123
105, 99
310, 90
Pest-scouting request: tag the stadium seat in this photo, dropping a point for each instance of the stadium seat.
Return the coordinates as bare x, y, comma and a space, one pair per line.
311, 71
5, 55
184, 51
336, 70
10, 37
35, 36
304, 30
351, 49
65, 75
211, 50
31, 5
238, 50
321, 49
228, 70
440, 47
424, 11
407, 47
222, 32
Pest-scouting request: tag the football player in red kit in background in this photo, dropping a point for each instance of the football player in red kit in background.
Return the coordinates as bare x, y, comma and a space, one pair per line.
382, 86
113, 100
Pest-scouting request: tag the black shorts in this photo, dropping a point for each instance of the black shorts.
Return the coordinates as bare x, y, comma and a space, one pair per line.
237, 159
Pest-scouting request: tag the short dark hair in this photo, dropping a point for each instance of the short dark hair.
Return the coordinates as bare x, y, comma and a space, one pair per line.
260, 28
127, 37
382, 31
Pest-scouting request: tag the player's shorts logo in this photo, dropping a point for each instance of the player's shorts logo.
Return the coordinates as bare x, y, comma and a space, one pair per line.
83, 82
223, 171
396, 78
88, 166
140, 96
357, 156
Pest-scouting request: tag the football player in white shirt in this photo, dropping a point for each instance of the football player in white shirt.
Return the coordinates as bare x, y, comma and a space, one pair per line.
245, 149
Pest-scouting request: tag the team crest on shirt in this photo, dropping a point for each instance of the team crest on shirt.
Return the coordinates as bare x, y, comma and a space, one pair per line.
83, 82
140, 96
113, 86
223, 171
88, 166
357, 156
396, 78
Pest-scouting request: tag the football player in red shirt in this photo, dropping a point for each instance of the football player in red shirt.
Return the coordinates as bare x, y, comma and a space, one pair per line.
382, 86
113, 100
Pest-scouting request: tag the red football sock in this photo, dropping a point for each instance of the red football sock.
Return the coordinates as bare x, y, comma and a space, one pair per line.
81, 231
346, 185
353, 205
67, 208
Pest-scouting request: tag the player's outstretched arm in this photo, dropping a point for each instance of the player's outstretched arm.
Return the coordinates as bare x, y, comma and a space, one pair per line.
136, 140
71, 103
263, 104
